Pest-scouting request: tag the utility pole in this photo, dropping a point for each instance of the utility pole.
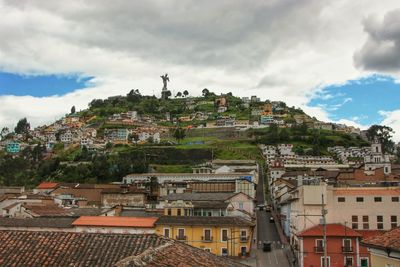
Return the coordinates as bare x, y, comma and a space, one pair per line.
324, 212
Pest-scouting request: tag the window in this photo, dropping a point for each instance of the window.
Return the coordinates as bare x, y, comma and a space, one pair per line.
378, 199
354, 222
178, 212
395, 199
207, 235
359, 199
365, 219
341, 199
319, 245
224, 252
328, 262
240, 205
347, 245
169, 212
181, 234
364, 262
379, 220
186, 212
166, 232
393, 221
243, 235
224, 234
207, 249
348, 261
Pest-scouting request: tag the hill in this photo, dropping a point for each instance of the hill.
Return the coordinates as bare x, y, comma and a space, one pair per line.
135, 133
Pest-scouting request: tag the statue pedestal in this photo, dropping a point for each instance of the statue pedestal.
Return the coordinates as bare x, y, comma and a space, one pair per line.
165, 94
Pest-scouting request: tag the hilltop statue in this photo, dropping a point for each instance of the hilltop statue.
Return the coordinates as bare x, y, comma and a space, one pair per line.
165, 93
165, 79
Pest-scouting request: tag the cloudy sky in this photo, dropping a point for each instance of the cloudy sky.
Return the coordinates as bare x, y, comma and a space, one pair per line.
338, 60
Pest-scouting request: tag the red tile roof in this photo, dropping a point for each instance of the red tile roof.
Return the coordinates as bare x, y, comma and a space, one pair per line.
388, 240
22, 248
110, 221
47, 185
370, 233
331, 230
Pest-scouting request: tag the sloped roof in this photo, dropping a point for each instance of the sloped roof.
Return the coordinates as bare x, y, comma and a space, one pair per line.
47, 185
40, 210
200, 220
23, 248
37, 222
388, 240
331, 230
200, 196
111, 221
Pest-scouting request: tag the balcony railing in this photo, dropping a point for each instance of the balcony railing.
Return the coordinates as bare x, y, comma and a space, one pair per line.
319, 249
207, 238
180, 237
347, 249
244, 239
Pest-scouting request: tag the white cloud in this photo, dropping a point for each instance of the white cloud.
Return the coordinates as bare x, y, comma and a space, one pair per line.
392, 119
280, 50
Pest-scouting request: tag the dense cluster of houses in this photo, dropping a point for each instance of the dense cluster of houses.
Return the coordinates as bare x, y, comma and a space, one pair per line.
211, 208
352, 205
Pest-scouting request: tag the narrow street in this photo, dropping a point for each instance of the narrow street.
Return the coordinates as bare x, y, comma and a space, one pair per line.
266, 231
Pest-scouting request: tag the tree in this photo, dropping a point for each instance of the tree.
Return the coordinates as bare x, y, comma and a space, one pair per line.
179, 134
284, 135
382, 134
22, 126
205, 92
179, 94
73, 110
133, 96
185, 93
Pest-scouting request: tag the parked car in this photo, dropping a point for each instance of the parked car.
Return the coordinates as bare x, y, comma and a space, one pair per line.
261, 206
271, 219
266, 246
268, 208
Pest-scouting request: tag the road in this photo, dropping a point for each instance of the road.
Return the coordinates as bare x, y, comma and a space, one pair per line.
266, 231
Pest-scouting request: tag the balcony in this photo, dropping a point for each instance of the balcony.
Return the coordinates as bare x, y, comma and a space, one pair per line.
347, 249
181, 237
207, 239
319, 249
244, 239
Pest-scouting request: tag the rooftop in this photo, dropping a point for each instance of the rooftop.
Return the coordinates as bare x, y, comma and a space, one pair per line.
389, 240
37, 222
199, 196
331, 230
47, 185
111, 221
22, 248
370, 191
200, 220
40, 210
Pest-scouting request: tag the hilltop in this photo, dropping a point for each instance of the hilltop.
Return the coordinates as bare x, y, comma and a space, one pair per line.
136, 133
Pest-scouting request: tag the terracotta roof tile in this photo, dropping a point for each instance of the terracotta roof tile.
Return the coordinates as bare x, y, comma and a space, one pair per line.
331, 230
111, 221
47, 185
22, 248
37, 222
388, 240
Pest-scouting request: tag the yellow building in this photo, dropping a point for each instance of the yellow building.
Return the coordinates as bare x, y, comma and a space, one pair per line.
225, 236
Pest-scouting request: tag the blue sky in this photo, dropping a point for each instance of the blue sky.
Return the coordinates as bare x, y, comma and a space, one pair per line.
360, 100
40, 86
